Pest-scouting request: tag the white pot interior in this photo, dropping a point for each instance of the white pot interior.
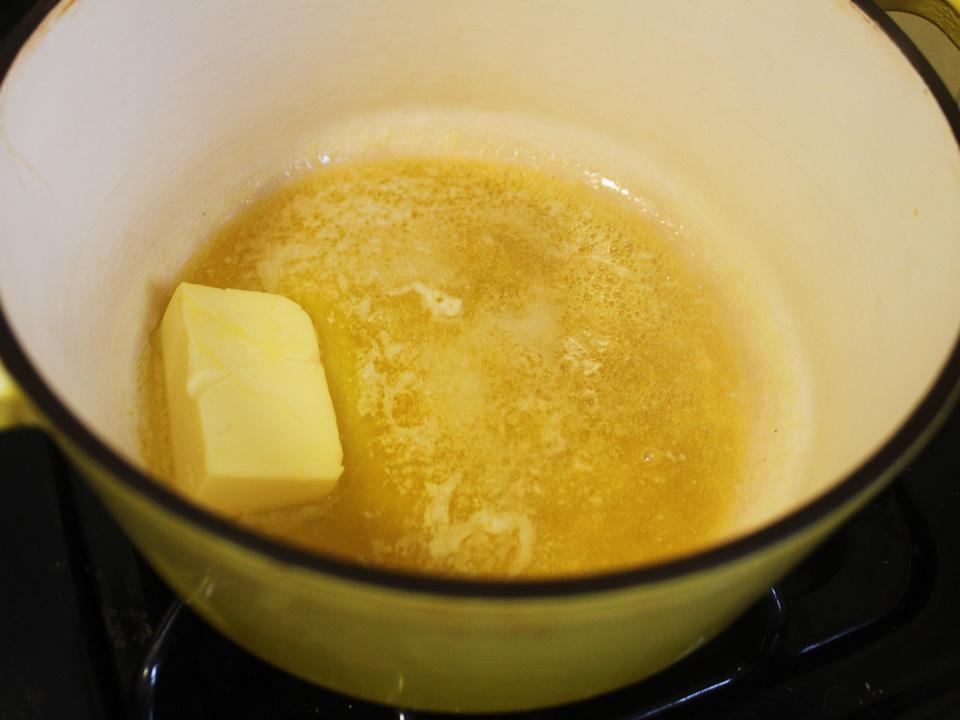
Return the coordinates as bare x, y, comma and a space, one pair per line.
794, 138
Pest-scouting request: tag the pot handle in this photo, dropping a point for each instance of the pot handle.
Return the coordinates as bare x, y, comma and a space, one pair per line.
945, 14
13, 408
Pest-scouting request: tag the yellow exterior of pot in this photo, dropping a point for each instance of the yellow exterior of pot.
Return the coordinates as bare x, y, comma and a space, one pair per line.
13, 407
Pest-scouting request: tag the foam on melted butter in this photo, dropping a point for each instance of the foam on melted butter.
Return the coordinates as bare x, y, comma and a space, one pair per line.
530, 379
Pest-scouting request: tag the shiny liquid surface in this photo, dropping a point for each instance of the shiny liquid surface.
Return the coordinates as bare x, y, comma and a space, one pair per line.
530, 378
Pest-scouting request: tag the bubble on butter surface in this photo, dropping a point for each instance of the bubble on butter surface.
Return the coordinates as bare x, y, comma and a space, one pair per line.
438, 303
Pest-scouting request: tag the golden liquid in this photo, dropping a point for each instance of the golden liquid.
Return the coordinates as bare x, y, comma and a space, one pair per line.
530, 379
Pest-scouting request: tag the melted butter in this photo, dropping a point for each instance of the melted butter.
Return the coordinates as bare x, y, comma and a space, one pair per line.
529, 378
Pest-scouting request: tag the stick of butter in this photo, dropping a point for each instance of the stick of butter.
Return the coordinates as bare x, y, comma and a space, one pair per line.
252, 423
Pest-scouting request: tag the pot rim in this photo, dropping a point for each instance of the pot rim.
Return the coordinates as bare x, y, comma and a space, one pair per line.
909, 437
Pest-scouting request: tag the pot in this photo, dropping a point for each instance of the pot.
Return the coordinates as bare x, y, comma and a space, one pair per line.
811, 135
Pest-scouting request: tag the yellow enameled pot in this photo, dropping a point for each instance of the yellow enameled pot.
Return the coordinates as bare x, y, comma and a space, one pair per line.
812, 132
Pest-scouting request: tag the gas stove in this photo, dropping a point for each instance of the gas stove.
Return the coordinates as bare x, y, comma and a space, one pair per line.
867, 627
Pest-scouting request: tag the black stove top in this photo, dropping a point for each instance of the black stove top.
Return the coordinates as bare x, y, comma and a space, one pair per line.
868, 627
